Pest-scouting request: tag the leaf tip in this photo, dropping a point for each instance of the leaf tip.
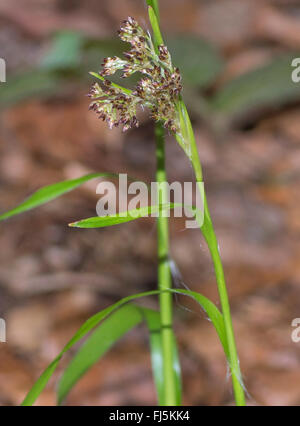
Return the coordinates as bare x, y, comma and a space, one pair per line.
73, 224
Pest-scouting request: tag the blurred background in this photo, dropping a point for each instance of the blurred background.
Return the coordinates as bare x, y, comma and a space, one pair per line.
235, 57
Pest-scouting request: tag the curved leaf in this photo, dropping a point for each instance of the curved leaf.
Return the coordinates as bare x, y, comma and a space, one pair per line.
92, 322
50, 192
212, 312
102, 339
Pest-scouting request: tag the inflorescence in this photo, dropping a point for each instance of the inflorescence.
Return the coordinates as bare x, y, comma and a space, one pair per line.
158, 90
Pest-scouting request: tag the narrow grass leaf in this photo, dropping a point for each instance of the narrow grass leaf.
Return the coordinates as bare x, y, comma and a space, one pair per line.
91, 323
101, 340
50, 192
110, 331
212, 312
123, 217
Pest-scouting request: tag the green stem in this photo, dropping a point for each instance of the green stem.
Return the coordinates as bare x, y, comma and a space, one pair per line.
164, 275
210, 237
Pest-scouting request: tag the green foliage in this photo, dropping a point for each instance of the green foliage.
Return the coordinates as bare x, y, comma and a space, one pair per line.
89, 325
50, 192
118, 218
108, 333
212, 312
103, 339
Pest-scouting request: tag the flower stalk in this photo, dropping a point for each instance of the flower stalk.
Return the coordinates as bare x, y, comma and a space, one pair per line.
164, 272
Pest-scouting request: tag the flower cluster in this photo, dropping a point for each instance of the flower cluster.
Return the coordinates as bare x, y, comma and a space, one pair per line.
113, 105
158, 90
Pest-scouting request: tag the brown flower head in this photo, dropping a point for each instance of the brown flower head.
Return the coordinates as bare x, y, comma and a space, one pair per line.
158, 90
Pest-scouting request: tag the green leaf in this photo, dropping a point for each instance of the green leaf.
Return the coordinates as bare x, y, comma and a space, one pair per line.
65, 51
102, 339
153, 321
199, 62
123, 217
109, 332
50, 192
212, 312
91, 323
264, 87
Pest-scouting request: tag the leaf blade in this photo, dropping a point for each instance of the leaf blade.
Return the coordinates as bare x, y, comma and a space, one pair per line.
50, 192
101, 340
212, 312
122, 217
92, 322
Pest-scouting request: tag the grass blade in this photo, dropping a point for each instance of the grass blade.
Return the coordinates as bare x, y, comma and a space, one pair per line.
91, 323
102, 339
212, 312
123, 217
50, 192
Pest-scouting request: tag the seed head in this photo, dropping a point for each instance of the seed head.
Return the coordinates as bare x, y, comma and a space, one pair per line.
158, 90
